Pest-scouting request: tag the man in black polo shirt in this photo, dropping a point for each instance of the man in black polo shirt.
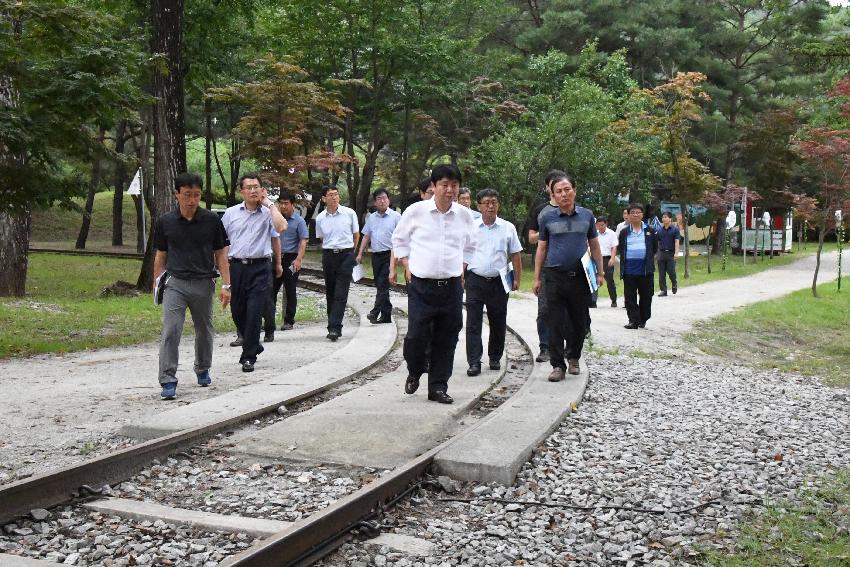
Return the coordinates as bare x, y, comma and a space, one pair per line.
190, 243
668, 251
565, 235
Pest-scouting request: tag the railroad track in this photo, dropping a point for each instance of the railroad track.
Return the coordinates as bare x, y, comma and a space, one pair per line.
302, 543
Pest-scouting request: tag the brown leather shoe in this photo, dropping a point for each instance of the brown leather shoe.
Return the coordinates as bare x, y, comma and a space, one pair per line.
573, 369
557, 374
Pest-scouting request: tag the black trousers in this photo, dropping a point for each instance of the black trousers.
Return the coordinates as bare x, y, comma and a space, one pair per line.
337, 269
609, 280
568, 300
639, 311
288, 281
381, 272
250, 284
435, 317
542, 319
666, 266
481, 292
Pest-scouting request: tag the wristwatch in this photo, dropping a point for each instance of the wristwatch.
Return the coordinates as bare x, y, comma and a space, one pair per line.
225, 286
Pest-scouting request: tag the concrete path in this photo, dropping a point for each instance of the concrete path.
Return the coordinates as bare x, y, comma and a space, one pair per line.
674, 316
367, 346
376, 425
9, 560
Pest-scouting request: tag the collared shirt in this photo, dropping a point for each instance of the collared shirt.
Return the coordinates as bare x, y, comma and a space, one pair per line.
496, 243
475, 214
635, 251
190, 244
667, 238
537, 213
436, 243
567, 237
296, 231
620, 228
337, 230
250, 232
379, 228
607, 241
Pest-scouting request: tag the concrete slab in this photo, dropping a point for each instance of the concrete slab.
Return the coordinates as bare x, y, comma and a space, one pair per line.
406, 544
376, 425
367, 346
9, 560
209, 521
495, 449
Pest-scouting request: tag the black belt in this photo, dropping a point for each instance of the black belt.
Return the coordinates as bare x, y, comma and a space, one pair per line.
337, 250
668, 250
382, 252
435, 282
567, 273
488, 278
261, 260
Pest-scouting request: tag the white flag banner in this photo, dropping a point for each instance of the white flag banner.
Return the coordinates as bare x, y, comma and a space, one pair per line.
135, 187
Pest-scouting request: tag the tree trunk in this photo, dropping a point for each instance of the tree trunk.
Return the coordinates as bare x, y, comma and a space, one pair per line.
15, 229
708, 250
169, 121
687, 247
94, 182
405, 149
208, 194
821, 236
120, 180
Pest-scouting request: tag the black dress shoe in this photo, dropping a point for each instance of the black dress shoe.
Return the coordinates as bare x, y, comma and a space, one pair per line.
384, 321
473, 370
411, 385
631, 326
642, 325
333, 335
247, 366
662, 294
440, 397
373, 318
268, 337
495, 365
237, 342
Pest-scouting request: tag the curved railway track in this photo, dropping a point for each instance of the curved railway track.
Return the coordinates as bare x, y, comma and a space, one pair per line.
303, 543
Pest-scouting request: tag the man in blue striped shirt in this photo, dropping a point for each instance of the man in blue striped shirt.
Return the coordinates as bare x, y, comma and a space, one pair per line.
377, 235
637, 248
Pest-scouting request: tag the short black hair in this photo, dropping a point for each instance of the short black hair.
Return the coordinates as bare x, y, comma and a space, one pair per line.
547, 181
446, 171
484, 193
286, 196
424, 184
561, 176
187, 179
327, 188
667, 214
250, 175
633, 206
378, 192
602, 218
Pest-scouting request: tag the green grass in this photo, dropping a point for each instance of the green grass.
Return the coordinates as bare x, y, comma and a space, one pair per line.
697, 268
797, 333
63, 310
812, 531
58, 225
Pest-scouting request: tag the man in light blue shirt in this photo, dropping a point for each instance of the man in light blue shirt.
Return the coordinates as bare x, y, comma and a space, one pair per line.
339, 230
378, 232
465, 199
293, 244
250, 226
637, 247
498, 245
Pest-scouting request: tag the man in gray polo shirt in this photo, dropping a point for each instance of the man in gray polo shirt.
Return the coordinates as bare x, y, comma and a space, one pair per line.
293, 245
190, 243
377, 235
565, 235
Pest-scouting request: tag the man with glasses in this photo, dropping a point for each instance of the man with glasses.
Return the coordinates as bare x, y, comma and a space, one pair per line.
250, 226
190, 243
339, 230
378, 232
498, 244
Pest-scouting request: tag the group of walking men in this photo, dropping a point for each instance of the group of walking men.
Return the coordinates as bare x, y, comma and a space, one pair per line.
444, 248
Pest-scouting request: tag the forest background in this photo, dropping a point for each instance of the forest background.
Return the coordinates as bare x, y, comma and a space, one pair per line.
686, 101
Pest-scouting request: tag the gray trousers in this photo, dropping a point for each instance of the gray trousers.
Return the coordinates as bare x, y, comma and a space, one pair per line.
179, 294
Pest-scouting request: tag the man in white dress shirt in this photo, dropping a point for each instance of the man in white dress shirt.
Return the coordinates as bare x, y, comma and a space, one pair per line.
434, 239
608, 246
339, 230
498, 244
